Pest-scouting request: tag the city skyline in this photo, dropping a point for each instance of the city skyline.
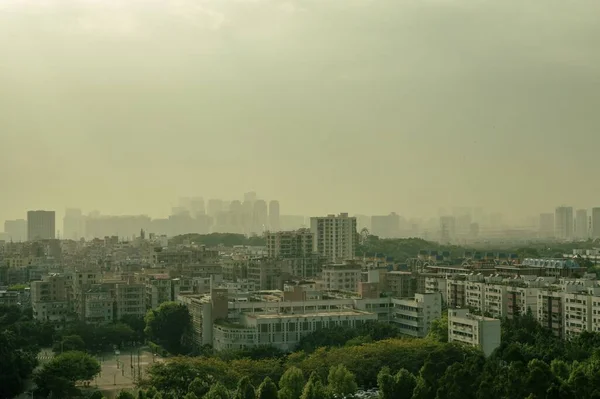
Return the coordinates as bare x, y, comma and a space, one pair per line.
445, 103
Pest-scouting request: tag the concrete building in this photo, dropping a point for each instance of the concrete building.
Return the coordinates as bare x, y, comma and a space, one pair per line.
130, 300
16, 230
9, 298
595, 223
387, 226
274, 224
520, 300
335, 237
400, 284
414, 316
477, 331
50, 298
160, 288
73, 224
342, 276
581, 224
260, 217
563, 222
546, 225
98, 306
290, 244
551, 310
41, 225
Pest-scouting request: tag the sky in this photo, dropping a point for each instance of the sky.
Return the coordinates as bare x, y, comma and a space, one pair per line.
359, 106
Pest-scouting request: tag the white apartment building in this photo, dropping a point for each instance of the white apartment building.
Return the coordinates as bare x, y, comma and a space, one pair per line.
437, 284
520, 299
335, 237
477, 331
342, 276
290, 244
414, 316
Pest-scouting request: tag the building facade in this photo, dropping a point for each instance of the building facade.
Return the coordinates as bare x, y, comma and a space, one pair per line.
41, 225
335, 237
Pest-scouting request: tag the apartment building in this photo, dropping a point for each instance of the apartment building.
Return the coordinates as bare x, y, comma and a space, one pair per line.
400, 284
477, 331
551, 310
342, 276
98, 305
414, 316
290, 244
265, 273
433, 283
520, 300
50, 298
41, 225
160, 288
334, 237
456, 291
9, 298
130, 300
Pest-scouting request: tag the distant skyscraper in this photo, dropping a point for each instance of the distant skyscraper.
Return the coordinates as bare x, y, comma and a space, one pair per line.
41, 225
197, 207
73, 224
595, 223
335, 237
447, 228
16, 230
274, 216
215, 206
563, 222
259, 217
581, 224
250, 197
387, 226
546, 227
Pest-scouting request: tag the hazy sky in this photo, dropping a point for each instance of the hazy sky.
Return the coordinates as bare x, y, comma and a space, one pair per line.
364, 106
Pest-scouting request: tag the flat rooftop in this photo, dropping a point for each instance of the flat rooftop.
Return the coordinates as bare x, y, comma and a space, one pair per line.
307, 315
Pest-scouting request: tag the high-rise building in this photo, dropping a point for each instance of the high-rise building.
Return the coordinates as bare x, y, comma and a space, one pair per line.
215, 206
387, 226
16, 230
563, 222
41, 225
335, 237
274, 216
447, 228
581, 224
73, 224
250, 197
595, 223
260, 217
546, 227
197, 207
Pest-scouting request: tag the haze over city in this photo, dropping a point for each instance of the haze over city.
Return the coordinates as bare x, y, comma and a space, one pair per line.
358, 106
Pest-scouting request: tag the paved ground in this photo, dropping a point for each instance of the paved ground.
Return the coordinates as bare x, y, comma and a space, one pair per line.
118, 371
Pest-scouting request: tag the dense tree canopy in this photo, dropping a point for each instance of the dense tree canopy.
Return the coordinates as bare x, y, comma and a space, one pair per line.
59, 376
168, 324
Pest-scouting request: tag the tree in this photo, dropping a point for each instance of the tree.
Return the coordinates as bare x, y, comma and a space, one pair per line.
199, 387
386, 384
125, 395
244, 390
217, 391
405, 383
190, 395
267, 390
58, 377
151, 393
96, 395
69, 343
314, 389
341, 381
438, 329
291, 383
137, 325
17, 362
168, 324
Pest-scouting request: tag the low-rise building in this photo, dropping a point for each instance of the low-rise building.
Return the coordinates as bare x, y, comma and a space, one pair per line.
477, 331
342, 276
